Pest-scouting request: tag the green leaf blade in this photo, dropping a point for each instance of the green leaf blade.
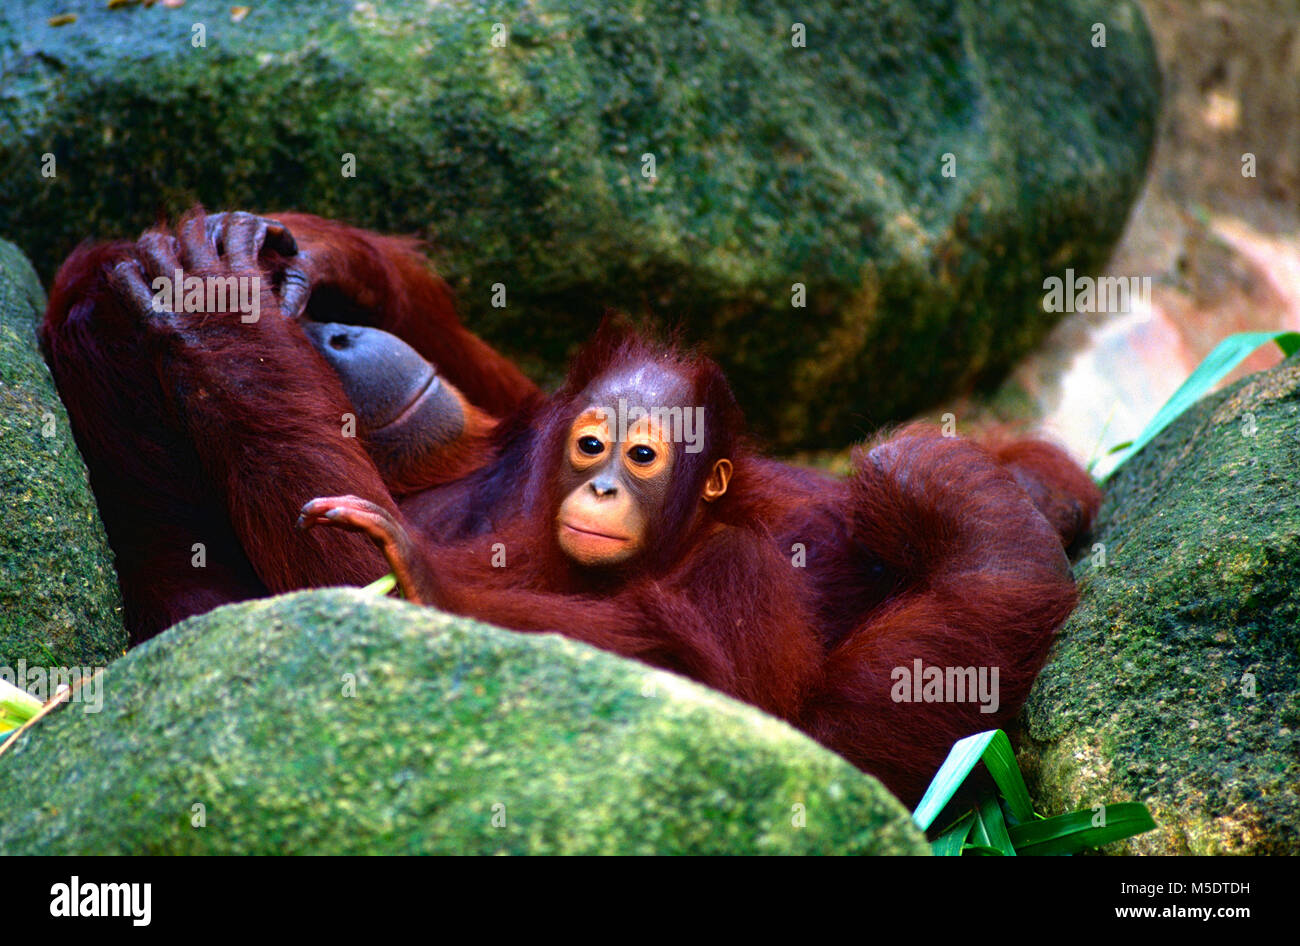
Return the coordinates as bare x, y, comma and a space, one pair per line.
1229, 353
1074, 832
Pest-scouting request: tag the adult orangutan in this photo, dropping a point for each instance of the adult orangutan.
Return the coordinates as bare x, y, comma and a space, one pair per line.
204, 433
628, 510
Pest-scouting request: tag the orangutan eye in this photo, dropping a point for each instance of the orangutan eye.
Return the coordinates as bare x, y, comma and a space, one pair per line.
641, 454
591, 446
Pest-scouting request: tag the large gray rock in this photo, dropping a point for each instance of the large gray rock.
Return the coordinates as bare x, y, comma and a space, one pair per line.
775, 164
1177, 680
335, 722
59, 600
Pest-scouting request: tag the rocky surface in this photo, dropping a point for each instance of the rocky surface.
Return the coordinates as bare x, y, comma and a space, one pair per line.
806, 146
59, 600
337, 722
1177, 680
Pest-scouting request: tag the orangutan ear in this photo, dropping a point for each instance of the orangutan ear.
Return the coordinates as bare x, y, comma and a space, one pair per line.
719, 477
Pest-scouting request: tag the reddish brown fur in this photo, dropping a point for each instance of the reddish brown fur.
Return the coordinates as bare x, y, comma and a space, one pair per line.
714, 599
934, 549
979, 580
167, 479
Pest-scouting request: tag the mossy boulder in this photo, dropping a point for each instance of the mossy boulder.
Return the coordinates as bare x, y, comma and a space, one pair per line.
59, 601
1177, 680
804, 145
336, 722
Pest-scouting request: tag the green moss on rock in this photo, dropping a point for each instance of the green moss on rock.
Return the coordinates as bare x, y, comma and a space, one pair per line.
59, 600
1177, 680
335, 722
774, 164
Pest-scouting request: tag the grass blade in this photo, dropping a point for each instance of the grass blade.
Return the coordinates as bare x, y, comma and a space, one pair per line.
994, 748
963, 756
16, 706
1001, 762
993, 826
381, 586
1074, 832
952, 841
1226, 355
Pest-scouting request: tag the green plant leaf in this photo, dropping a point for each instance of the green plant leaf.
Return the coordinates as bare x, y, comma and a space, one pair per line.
962, 757
1226, 355
981, 849
17, 706
1074, 832
381, 586
951, 842
994, 748
985, 829
1000, 759
992, 826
